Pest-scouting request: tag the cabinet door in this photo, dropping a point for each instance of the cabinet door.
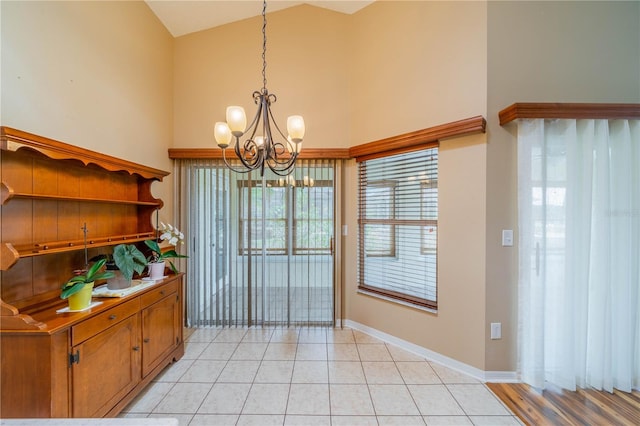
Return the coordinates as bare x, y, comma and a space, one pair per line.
159, 331
106, 369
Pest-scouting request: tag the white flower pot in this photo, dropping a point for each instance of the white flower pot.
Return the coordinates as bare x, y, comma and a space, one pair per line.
156, 270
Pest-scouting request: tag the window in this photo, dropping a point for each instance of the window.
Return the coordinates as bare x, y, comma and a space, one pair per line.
398, 222
264, 219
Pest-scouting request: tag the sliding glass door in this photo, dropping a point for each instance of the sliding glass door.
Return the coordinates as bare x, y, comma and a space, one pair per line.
261, 248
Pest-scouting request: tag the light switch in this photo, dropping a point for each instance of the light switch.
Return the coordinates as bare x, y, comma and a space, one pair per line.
496, 330
507, 237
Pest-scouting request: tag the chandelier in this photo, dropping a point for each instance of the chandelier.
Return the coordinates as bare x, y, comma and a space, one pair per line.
265, 144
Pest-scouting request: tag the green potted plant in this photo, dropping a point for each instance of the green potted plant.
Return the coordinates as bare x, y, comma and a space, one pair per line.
158, 256
78, 288
129, 259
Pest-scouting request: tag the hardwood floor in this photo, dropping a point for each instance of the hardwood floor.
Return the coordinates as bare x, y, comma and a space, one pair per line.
561, 407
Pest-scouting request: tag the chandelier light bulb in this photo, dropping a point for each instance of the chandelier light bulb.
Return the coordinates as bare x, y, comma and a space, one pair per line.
295, 127
259, 141
237, 120
222, 133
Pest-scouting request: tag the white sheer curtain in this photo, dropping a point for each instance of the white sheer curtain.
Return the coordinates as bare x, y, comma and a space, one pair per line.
579, 249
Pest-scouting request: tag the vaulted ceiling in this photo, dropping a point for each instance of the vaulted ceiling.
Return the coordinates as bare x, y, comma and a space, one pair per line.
182, 17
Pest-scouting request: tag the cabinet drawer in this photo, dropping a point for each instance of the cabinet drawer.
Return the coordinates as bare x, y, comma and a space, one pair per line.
158, 293
100, 322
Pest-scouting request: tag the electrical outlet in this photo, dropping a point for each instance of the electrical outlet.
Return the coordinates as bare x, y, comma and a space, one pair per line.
496, 330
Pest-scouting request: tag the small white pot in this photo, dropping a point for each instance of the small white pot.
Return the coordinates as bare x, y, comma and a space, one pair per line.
156, 270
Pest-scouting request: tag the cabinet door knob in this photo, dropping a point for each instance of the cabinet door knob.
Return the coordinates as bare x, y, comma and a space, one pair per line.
146, 340
161, 292
112, 317
136, 348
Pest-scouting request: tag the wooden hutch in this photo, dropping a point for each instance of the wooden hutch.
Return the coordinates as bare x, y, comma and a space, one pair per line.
81, 364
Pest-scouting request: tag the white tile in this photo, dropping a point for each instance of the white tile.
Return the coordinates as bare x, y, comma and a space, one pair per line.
418, 373
447, 420
346, 372
384, 373
354, 421
202, 335
258, 335
275, 372
399, 354
231, 335
447, 375
219, 351
183, 398
365, 338
477, 400
239, 372
342, 352
148, 399
281, 351
392, 400
309, 399
193, 350
350, 400
435, 400
312, 335
310, 372
495, 420
214, 419
311, 352
284, 335
260, 420
203, 371
290, 420
374, 352
225, 398
336, 335
400, 421
267, 399
174, 371
249, 351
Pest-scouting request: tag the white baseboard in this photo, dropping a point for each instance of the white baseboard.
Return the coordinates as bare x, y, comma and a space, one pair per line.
476, 373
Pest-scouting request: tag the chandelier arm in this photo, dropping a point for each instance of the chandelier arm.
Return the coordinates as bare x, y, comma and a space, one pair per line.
232, 168
291, 145
283, 171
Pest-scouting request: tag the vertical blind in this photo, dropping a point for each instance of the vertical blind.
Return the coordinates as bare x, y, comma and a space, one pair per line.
260, 247
398, 227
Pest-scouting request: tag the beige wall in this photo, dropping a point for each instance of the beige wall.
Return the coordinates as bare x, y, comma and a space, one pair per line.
93, 74
417, 65
543, 52
307, 63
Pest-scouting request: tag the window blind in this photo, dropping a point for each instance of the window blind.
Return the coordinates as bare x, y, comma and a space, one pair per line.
398, 227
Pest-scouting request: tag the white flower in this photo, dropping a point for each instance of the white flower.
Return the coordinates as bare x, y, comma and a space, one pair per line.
171, 234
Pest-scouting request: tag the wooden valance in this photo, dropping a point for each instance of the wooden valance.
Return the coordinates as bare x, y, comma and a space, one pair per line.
568, 110
418, 139
215, 153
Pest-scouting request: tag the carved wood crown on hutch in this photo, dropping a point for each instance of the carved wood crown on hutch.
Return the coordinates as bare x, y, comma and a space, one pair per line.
48, 191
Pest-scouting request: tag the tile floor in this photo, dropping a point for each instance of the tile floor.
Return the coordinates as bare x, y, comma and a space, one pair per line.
311, 376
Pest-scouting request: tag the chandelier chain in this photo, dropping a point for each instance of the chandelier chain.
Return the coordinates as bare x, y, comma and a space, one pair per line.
264, 46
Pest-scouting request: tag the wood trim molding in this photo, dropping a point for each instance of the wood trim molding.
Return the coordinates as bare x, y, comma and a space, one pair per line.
412, 140
216, 153
568, 110
13, 140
